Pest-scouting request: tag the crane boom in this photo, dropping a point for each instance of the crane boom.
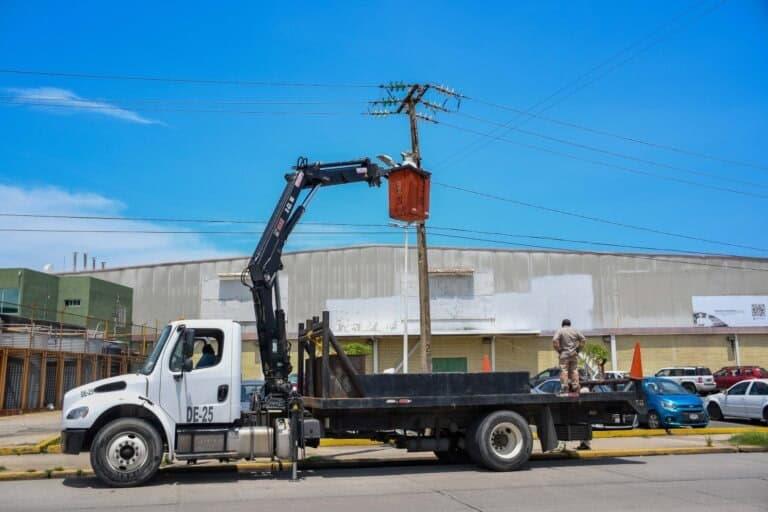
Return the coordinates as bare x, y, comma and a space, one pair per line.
261, 274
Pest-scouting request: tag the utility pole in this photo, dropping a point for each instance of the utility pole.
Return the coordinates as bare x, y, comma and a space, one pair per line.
416, 95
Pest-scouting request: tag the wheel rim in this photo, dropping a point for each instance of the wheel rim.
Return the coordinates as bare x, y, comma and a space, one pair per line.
127, 452
506, 440
653, 420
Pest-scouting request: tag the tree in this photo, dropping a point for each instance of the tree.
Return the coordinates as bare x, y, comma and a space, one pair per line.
595, 356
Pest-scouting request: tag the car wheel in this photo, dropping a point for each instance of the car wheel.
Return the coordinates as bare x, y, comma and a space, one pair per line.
654, 421
502, 441
765, 414
690, 387
714, 412
126, 452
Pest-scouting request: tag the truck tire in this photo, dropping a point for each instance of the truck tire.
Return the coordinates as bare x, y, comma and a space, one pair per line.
126, 452
690, 387
501, 441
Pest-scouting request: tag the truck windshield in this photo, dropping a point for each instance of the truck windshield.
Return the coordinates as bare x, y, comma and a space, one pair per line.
149, 364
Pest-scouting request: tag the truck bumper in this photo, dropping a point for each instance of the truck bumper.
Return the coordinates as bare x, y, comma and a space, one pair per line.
72, 441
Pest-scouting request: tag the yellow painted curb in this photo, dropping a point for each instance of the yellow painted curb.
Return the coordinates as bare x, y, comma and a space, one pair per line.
46, 444
608, 434
349, 442
31, 449
647, 452
8, 476
246, 467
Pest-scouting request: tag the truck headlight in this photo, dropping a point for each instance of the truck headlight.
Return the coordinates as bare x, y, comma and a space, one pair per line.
668, 404
77, 413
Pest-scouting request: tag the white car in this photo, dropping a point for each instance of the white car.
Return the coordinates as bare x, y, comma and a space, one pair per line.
696, 379
746, 399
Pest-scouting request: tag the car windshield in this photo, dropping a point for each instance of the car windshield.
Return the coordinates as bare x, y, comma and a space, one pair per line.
149, 364
665, 387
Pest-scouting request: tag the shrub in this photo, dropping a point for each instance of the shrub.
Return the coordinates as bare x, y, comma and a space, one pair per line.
357, 349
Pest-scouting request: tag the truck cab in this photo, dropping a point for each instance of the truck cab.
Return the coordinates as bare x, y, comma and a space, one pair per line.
184, 401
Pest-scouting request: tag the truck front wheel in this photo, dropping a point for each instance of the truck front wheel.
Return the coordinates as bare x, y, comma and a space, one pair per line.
126, 452
501, 441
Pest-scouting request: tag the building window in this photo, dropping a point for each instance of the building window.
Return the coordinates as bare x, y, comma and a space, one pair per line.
9, 301
71, 303
449, 364
451, 285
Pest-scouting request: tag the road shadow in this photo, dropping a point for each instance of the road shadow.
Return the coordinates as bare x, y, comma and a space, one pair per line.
224, 474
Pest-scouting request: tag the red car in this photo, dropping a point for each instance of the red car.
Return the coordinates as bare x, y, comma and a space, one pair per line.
730, 375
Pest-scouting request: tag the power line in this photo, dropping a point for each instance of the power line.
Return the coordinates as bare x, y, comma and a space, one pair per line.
432, 232
22, 100
318, 223
607, 164
180, 80
635, 140
612, 153
596, 219
85, 106
576, 82
619, 255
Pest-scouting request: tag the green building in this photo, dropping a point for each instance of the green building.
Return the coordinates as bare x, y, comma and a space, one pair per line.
74, 301
28, 294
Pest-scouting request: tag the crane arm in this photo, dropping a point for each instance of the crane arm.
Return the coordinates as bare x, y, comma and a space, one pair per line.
261, 275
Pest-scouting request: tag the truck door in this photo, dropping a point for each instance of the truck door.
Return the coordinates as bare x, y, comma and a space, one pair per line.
203, 394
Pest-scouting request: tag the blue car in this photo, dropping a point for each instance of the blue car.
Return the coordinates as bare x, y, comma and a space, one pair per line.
670, 405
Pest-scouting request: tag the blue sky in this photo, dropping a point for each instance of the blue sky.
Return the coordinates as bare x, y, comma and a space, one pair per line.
126, 151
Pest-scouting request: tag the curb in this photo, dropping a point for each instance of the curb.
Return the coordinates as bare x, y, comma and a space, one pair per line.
713, 431
319, 463
44, 446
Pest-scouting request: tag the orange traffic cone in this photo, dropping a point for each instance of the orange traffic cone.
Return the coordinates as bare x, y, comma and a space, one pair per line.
636, 371
486, 363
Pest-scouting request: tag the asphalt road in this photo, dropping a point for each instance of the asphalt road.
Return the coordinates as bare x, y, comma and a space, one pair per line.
733, 482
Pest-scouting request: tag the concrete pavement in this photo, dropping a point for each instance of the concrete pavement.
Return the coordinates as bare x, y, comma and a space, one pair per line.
685, 483
31, 428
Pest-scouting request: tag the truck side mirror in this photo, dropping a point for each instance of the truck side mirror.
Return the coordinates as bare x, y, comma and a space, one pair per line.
187, 349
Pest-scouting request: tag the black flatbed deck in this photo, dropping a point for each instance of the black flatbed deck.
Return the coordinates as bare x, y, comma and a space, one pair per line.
456, 401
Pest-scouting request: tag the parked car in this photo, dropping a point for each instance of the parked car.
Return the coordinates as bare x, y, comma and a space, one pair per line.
669, 404
620, 422
247, 389
615, 375
729, 375
696, 379
552, 373
746, 399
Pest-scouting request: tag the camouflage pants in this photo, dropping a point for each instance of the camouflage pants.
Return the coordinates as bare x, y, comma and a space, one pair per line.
569, 375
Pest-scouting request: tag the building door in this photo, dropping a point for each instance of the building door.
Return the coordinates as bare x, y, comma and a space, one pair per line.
449, 364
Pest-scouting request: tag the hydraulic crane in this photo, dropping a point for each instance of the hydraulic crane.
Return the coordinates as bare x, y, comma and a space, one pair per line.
261, 274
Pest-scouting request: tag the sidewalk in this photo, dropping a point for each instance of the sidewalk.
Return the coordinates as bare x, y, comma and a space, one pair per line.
29, 429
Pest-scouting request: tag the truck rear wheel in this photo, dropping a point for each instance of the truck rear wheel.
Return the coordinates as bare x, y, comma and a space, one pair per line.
501, 441
126, 452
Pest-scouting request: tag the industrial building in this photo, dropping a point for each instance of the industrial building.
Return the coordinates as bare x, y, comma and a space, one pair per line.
57, 332
502, 305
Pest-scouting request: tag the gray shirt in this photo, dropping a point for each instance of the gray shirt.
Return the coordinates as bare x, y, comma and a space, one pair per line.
568, 341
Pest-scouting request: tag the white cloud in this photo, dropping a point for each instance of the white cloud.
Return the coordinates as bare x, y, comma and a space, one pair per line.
34, 250
55, 99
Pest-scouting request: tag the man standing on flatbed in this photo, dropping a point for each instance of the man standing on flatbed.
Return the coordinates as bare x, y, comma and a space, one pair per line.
568, 342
